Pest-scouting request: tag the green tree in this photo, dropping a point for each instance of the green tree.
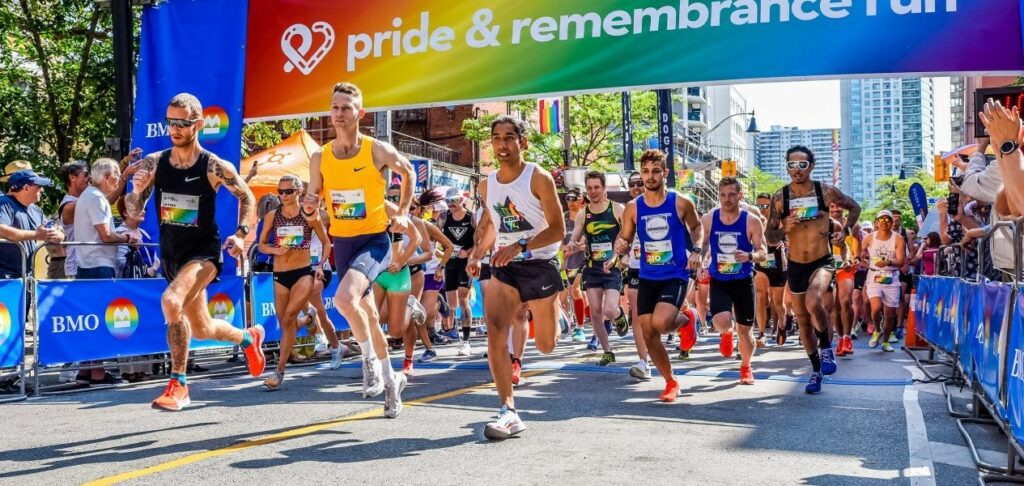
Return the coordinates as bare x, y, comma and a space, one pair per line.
894, 193
56, 83
595, 125
758, 181
263, 135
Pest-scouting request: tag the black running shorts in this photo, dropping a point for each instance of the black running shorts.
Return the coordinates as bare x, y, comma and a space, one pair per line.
534, 279
735, 296
652, 292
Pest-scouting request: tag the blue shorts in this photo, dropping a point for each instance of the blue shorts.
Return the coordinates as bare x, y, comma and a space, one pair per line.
369, 255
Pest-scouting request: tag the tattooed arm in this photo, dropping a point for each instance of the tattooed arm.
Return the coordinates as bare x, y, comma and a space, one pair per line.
221, 173
833, 195
142, 185
774, 231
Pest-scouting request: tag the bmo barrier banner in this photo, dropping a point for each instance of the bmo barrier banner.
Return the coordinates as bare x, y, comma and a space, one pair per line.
1015, 376
12, 323
407, 53
84, 320
266, 314
195, 47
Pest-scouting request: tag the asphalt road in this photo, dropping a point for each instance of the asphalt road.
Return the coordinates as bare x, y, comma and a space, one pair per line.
587, 425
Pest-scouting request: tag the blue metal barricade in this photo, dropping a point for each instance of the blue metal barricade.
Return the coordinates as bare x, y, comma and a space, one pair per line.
13, 306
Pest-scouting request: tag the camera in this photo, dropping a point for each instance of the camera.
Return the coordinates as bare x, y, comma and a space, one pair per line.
952, 203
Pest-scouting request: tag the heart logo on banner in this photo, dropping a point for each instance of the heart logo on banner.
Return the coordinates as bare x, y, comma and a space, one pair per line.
297, 55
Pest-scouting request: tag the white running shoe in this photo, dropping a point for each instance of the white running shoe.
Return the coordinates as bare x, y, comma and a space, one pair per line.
464, 349
274, 380
507, 425
372, 383
321, 346
337, 354
68, 376
641, 371
393, 396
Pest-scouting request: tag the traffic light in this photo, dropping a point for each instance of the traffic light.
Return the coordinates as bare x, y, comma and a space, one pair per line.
941, 169
728, 168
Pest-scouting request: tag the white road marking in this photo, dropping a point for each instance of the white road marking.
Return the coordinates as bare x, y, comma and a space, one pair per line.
917, 437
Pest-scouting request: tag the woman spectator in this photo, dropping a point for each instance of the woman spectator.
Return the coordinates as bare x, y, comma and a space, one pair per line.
927, 254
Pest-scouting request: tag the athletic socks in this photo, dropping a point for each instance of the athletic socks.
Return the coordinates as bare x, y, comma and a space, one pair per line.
181, 376
823, 340
388, 371
246, 340
367, 349
815, 361
465, 333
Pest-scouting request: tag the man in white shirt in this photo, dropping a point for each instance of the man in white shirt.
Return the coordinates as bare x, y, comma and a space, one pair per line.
94, 222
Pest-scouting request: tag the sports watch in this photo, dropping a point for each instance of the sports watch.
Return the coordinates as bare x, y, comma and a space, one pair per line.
522, 244
1008, 147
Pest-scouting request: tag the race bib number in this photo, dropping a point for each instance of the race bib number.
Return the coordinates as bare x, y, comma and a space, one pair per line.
290, 236
601, 252
658, 252
884, 278
456, 249
805, 208
178, 209
727, 264
349, 205
636, 249
509, 239
769, 262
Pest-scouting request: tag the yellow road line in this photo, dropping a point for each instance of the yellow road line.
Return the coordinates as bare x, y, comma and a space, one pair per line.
281, 436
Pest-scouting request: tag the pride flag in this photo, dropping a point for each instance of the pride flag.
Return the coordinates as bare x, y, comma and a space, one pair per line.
550, 112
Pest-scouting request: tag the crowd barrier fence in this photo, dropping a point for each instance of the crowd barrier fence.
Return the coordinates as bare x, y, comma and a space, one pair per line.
13, 307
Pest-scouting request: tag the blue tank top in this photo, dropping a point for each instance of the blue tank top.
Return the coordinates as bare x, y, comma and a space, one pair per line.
663, 240
726, 239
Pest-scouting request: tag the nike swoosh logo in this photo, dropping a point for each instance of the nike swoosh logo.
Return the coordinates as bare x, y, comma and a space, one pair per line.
359, 169
548, 287
190, 179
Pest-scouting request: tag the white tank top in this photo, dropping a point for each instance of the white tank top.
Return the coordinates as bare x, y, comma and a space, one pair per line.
878, 251
316, 252
634, 253
71, 263
517, 213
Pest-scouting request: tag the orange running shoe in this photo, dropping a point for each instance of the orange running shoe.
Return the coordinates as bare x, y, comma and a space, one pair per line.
671, 391
841, 347
174, 398
746, 375
517, 373
725, 346
407, 367
254, 353
849, 345
688, 332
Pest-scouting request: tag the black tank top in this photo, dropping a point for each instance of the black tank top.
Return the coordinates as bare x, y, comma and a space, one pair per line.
186, 203
461, 232
600, 230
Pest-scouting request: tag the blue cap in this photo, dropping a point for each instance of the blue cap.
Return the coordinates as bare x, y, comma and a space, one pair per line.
23, 177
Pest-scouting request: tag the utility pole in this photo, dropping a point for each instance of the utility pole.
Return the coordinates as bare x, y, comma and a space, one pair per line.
124, 91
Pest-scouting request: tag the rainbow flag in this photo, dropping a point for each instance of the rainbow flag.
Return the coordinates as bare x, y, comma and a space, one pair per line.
686, 178
550, 113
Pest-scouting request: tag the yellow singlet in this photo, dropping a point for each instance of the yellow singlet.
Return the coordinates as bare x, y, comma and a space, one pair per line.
354, 190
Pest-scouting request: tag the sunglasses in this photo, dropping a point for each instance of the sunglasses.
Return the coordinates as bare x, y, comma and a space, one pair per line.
884, 220
287, 192
636, 184
798, 164
764, 206
181, 122
572, 198
455, 200
392, 198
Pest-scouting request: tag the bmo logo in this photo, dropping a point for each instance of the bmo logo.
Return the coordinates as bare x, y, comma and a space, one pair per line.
79, 323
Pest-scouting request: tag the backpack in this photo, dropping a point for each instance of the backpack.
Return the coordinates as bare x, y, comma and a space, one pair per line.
135, 265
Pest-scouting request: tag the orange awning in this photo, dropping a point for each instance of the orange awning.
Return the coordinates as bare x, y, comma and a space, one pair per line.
291, 156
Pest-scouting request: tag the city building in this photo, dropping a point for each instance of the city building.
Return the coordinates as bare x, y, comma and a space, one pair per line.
731, 137
888, 127
773, 144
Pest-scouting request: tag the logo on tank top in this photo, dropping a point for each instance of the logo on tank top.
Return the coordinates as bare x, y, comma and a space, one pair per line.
512, 221
656, 226
596, 227
458, 231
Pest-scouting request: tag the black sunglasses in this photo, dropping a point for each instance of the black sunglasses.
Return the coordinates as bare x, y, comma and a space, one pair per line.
393, 198
287, 192
636, 184
571, 198
181, 122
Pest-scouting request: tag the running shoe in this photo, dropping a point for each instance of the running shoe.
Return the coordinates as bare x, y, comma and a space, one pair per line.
670, 338
684, 355
452, 334
871, 328
481, 330
274, 380
578, 335
746, 375
174, 398
337, 354
606, 359
828, 361
393, 396
849, 345
688, 332
887, 348
254, 353
517, 373
621, 323
372, 383
853, 333
592, 345
875, 337
814, 383
428, 356
780, 336
321, 345
507, 425
464, 349
725, 344
760, 343
841, 347
439, 339
417, 314
641, 371
607, 326
68, 376
671, 391
563, 324
407, 367
899, 334
893, 338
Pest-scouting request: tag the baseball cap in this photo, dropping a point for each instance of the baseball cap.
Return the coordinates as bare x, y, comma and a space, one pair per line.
573, 191
22, 177
883, 214
453, 193
13, 167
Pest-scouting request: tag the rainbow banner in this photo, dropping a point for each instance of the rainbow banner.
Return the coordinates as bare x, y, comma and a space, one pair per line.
549, 110
687, 178
12, 322
409, 53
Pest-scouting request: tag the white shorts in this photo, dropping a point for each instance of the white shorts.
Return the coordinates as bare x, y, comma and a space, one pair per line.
890, 294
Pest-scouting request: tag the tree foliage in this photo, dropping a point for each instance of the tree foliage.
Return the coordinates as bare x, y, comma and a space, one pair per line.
758, 181
56, 82
894, 193
263, 135
595, 126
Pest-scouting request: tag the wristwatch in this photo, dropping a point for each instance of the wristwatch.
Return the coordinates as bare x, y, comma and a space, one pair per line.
697, 250
522, 244
1008, 147
243, 228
